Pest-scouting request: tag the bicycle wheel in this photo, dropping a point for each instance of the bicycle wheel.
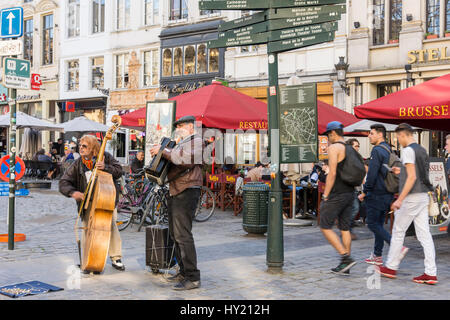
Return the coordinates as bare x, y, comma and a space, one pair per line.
124, 216
206, 205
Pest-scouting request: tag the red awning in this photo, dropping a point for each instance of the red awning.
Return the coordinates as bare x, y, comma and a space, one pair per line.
221, 107
425, 105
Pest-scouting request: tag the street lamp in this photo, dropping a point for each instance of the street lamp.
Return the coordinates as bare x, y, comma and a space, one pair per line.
341, 69
408, 74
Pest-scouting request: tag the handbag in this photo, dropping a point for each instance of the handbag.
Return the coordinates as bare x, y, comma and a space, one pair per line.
433, 207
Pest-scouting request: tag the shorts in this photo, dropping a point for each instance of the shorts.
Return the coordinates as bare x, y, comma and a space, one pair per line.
338, 206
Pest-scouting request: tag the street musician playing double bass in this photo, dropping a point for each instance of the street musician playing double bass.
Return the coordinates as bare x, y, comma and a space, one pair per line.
75, 182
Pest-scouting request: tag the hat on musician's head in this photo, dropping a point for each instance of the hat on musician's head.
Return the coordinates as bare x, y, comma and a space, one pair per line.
185, 119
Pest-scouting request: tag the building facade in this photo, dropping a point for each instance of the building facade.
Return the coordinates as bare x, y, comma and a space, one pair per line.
395, 44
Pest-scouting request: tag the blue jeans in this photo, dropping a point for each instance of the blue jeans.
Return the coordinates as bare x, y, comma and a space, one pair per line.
377, 206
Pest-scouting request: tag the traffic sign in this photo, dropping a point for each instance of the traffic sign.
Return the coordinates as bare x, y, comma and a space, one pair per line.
36, 81
303, 21
304, 31
11, 22
233, 4
11, 47
302, 3
16, 73
4, 168
244, 21
295, 43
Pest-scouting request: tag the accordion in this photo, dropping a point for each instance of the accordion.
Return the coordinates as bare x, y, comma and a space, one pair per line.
159, 167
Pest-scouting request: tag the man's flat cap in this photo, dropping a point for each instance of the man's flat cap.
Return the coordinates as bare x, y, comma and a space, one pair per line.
184, 120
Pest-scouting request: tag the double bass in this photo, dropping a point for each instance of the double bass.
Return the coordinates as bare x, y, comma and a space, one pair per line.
98, 205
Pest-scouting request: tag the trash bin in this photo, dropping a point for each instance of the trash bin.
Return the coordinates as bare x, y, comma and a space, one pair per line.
256, 207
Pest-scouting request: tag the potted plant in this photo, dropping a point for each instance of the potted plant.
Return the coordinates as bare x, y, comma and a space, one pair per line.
447, 33
429, 35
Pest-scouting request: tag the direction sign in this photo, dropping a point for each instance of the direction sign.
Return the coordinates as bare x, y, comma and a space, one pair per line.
252, 29
16, 73
302, 3
295, 43
11, 47
11, 22
304, 31
239, 40
244, 21
303, 21
305, 11
233, 4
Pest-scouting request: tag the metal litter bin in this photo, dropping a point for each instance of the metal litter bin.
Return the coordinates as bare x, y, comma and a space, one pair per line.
256, 207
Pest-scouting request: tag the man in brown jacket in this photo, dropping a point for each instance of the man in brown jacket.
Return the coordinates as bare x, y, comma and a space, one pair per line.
186, 178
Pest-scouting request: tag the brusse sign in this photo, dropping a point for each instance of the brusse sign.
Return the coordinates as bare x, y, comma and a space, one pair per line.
437, 112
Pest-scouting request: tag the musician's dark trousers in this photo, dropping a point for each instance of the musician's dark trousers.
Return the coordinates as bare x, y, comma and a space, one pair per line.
181, 213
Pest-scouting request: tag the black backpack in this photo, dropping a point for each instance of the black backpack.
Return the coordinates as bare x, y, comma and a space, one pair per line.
353, 171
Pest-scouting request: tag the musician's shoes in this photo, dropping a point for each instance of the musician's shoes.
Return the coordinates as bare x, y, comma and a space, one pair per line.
117, 264
175, 278
187, 285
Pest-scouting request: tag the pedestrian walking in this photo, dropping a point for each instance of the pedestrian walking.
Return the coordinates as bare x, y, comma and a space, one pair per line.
411, 206
186, 180
339, 194
377, 198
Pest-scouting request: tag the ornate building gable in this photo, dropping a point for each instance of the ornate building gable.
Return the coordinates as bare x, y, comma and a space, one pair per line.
46, 5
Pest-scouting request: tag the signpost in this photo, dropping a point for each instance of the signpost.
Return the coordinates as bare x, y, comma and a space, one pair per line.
11, 22
16, 73
283, 25
11, 47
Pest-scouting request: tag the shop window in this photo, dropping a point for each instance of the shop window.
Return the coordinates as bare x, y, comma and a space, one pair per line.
396, 19
201, 59
73, 75
433, 17
167, 63
378, 22
47, 40
387, 88
178, 9
213, 60
247, 148
120, 146
122, 70
97, 73
52, 109
98, 16
33, 109
28, 40
151, 68
178, 62
189, 60
151, 8
122, 14
73, 18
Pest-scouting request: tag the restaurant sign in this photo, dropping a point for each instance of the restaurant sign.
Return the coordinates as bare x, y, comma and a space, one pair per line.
420, 112
180, 88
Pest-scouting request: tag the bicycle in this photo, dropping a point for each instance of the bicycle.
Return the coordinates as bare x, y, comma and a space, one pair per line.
206, 205
156, 207
131, 206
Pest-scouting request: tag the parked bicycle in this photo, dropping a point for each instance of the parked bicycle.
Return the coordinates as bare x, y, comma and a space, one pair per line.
206, 205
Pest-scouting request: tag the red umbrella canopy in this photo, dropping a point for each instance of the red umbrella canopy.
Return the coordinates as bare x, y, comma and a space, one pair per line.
425, 105
221, 107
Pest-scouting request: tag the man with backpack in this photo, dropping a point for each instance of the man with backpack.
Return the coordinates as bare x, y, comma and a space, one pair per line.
346, 170
411, 206
375, 191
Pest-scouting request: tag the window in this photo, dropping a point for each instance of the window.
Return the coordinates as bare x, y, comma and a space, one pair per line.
151, 67
73, 18
33, 109
28, 40
387, 88
73, 75
378, 22
396, 19
47, 40
178, 9
213, 60
122, 70
447, 16
167, 63
151, 12
123, 14
433, 16
189, 60
97, 73
202, 66
178, 62
209, 12
245, 49
98, 16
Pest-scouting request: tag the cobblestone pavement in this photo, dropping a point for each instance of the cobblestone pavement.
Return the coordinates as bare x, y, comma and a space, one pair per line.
232, 263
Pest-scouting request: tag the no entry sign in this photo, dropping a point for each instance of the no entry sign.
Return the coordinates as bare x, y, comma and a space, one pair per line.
4, 168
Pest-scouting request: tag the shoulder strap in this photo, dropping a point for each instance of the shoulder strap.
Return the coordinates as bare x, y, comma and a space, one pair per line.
384, 147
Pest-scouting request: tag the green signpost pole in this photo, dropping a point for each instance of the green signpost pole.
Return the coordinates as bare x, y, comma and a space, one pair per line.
275, 249
12, 167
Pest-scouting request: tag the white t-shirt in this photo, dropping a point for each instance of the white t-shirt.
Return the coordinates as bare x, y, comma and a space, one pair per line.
408, 156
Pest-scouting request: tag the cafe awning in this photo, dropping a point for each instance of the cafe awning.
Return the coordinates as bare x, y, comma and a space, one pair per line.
425, 105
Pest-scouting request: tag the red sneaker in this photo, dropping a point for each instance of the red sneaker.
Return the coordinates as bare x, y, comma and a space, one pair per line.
426, 279
389, 273
373, 259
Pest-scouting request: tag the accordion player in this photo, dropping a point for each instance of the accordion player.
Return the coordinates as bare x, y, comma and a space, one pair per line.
159, 166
